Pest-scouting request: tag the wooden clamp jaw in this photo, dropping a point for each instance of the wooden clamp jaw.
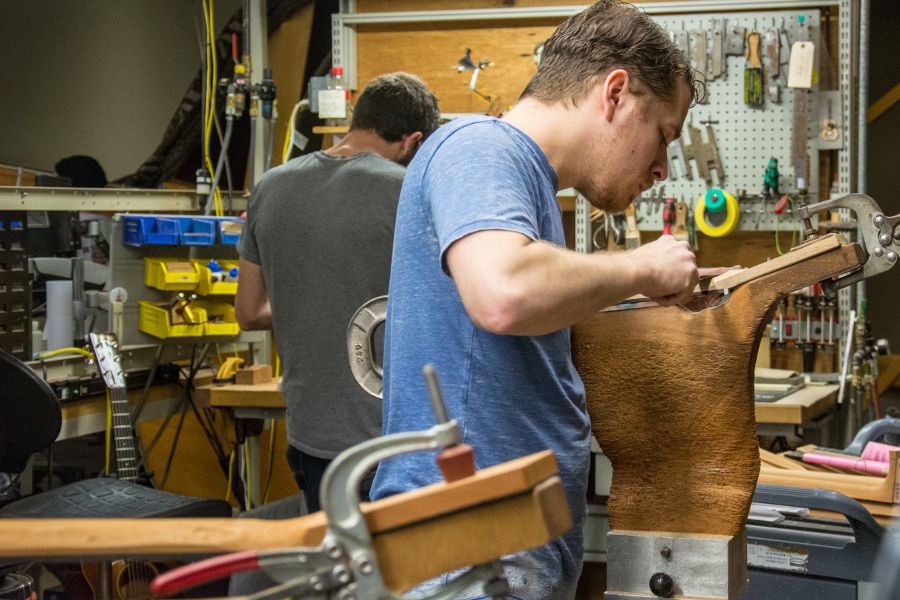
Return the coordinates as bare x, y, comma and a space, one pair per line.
670, 395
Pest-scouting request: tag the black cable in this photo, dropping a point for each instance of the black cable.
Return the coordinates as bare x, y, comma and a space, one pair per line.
207, 428
175, 439
175, 406
201, 39
140, 405
193, 366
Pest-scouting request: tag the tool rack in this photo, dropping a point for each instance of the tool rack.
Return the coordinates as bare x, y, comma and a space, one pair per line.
15, 286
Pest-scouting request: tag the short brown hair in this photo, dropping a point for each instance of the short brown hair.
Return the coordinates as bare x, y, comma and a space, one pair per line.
606, 36
395, 105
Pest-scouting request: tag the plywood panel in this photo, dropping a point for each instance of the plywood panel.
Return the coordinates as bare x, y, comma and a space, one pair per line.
288, 49
432, 51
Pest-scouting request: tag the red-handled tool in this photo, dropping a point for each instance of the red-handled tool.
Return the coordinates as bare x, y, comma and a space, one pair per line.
782, 204
668, 215
188, 576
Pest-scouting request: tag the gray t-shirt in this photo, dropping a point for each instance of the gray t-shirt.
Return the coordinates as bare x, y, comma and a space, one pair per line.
322, 228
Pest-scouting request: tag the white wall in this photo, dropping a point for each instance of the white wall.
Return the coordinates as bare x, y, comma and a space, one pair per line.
96, 77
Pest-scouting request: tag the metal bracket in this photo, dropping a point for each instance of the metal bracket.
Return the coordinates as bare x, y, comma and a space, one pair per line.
689, 566
706, 155
716, 65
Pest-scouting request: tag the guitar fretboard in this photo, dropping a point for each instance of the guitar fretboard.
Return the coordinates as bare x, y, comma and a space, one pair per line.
126, 455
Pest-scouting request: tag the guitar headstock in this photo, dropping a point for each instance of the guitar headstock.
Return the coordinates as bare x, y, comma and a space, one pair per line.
106, 352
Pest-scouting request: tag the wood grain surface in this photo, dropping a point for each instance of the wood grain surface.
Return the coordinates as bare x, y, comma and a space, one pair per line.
670, 394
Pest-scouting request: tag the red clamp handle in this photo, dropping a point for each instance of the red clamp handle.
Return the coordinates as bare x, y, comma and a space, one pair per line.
781, 204
202, 571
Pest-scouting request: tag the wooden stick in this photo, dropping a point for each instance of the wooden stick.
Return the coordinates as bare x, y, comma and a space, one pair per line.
813, 248
736, 277
417, 535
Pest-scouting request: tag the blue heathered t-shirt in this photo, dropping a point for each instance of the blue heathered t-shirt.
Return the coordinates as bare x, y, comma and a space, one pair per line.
512, 395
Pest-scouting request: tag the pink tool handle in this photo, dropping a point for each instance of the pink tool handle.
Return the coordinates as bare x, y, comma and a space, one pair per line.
879, 452
202, 571
856, 464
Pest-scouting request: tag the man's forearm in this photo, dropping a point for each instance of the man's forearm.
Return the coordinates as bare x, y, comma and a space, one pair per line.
514, 286
542, 288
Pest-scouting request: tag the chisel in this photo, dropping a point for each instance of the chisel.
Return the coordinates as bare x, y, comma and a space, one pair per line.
753, 74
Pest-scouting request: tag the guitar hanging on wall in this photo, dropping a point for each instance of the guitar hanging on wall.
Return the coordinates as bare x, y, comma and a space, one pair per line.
130, 580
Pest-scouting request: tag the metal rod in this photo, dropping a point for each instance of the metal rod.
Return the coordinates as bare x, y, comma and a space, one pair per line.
862, 123
847, 350
435, 394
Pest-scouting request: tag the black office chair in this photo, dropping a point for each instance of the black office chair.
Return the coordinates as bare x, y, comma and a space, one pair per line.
30, 420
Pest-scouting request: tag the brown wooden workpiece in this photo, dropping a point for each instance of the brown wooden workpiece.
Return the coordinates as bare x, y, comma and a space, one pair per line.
500, 510
670, 395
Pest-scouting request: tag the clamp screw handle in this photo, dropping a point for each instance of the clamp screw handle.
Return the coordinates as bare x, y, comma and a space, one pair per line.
435, 394
458, 461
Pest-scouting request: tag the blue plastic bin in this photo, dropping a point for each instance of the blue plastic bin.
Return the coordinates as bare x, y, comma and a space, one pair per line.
197, 231
140, 230
226, 237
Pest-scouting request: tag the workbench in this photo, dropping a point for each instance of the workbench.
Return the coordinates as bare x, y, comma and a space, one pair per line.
246, 402
811, 408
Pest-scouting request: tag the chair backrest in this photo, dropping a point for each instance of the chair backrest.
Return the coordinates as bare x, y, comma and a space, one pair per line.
30, 418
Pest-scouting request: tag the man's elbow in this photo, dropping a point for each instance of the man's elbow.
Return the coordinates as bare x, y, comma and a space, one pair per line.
500, 311
249, 320
244, 321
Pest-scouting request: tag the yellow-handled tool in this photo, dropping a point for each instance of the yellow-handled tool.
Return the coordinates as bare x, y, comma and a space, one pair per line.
228, 369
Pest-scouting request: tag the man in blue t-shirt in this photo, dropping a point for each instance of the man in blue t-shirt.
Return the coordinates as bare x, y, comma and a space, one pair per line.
482, 284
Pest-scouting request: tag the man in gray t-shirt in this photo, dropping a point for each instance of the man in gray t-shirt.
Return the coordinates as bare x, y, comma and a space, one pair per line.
316, 246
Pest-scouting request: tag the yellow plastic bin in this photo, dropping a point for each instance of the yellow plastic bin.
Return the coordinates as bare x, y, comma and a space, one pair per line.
220, 318
171, 274
216, 284
156, 320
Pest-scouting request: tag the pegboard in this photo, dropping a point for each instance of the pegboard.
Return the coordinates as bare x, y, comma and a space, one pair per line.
746, 137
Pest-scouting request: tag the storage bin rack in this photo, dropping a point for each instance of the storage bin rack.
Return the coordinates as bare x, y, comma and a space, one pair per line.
180, 230
207, 286
224, 313
155, 319
182, 274
171, 274
15, 286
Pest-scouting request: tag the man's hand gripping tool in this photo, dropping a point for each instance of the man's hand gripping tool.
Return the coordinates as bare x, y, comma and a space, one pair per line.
345, 566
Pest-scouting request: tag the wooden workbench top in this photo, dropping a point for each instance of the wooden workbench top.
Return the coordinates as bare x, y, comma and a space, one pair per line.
261, 395
802, 406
